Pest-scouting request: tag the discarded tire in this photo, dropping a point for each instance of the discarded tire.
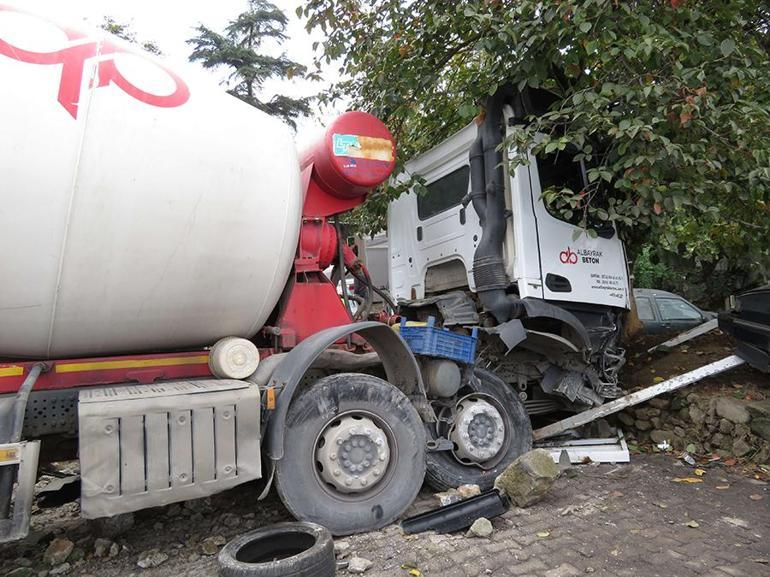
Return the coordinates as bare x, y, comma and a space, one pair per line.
280, 550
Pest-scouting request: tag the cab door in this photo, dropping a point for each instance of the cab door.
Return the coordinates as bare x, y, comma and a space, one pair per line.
574, 266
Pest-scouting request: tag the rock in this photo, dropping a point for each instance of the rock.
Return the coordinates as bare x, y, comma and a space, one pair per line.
643, 425
528, 478
726, 427
111, 527
742, 432
231, 520
656, 422
761, 427
659, 436
679, 432
759, 409
359, 565
481, 527
626, 419
58, 551
21, 572
740, 448
211, 545
151, 558
659, 403
696, 415
341, 549
733, 410
102, 547
763, 455
717, 439
60, 569
647, 413
114, 550
448, 497
468, 490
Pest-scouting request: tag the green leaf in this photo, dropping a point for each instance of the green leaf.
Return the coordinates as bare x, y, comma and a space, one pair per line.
727, 46
585, 27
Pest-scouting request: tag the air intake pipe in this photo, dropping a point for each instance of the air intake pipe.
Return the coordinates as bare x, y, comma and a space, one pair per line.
488, 265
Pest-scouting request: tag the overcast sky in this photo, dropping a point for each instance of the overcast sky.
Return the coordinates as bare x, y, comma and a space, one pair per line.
169, 23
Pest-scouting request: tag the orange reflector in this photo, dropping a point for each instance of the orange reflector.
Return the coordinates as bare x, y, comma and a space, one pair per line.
9, 455
271, 398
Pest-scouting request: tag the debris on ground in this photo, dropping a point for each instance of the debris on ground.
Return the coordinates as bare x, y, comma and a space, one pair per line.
151, 558
341, 549
468, 490
211, 545
58, 551
359, 565
481, 527
528, 478
448, 497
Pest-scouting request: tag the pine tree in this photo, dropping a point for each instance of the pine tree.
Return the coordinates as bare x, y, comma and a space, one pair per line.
124, 31
237, 49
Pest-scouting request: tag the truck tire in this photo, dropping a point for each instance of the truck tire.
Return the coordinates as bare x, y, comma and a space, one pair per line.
280, 550
445, 471
355, 454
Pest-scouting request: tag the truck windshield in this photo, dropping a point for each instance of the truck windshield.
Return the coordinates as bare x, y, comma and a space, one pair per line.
559, 170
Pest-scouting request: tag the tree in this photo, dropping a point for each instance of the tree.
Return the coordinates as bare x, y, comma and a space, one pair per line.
237, 49
668, 102
124, 31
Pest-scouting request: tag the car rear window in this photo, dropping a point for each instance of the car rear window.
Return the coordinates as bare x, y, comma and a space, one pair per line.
677, 310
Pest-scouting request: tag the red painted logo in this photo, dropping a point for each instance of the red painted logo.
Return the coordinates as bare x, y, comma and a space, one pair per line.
73, 57
568, 256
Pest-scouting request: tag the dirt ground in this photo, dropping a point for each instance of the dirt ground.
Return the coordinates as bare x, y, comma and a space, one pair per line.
631, 519
642, 368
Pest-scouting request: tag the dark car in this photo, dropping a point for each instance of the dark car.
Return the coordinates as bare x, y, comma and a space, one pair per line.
662, 311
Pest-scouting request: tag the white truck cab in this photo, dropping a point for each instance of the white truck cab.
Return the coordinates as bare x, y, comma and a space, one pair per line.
432, 237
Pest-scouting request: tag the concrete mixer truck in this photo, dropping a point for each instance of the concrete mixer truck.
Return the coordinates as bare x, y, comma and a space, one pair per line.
166, 319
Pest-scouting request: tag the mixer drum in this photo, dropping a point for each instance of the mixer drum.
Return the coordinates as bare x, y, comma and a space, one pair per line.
138, 210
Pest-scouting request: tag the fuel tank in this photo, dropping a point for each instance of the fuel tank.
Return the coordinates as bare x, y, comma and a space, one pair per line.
139, 210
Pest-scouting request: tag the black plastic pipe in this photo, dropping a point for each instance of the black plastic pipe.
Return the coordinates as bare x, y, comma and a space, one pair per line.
488, 264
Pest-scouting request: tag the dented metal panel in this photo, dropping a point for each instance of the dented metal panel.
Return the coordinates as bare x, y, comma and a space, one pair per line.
149, 445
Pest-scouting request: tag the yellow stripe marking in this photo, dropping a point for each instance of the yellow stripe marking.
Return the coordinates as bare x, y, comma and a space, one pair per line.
131, 364
14, 371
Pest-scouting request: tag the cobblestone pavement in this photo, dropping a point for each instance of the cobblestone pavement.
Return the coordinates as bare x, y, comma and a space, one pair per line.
624, 520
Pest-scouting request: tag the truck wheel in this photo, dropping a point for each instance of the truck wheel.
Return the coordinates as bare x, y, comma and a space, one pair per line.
490, 429
354, 455
280, 550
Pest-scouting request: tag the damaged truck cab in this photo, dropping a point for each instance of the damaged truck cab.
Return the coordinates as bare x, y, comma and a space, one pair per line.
480, 246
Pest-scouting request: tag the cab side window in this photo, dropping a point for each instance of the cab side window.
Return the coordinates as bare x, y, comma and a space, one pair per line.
444, 193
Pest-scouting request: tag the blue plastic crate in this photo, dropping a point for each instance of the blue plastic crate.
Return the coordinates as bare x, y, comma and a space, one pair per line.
433, 341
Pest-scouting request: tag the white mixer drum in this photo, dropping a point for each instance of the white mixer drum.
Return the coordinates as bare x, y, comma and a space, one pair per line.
138, 211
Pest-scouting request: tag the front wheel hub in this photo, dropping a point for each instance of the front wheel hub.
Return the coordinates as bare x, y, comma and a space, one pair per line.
352, 454
479, 431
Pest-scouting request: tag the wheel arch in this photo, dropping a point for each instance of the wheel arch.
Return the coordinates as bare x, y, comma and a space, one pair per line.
399, 363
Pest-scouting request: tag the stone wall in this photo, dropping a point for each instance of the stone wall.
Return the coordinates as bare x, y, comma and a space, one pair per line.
702, 424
